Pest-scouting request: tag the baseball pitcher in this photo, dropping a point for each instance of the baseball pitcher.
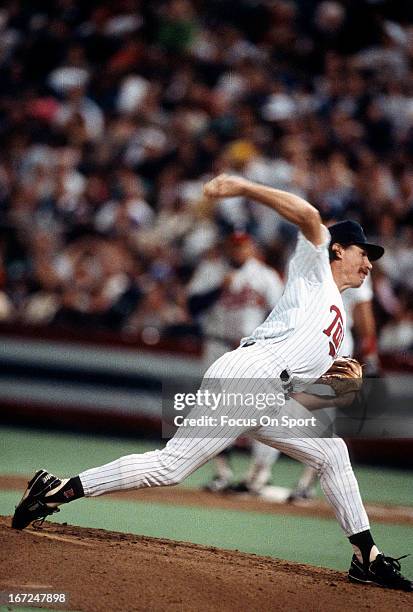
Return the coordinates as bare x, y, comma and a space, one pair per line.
296, 344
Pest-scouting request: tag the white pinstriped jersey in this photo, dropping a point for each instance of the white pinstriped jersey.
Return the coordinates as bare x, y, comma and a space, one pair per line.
307, 325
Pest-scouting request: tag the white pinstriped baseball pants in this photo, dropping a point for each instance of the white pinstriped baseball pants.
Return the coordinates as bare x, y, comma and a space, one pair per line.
191, 447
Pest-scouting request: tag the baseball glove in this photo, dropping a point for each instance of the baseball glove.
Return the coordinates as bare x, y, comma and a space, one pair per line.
344, 376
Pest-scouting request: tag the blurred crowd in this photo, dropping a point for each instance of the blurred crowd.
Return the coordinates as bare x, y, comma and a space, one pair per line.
113, 115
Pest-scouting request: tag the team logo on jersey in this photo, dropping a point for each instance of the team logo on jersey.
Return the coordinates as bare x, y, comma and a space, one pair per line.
335, 331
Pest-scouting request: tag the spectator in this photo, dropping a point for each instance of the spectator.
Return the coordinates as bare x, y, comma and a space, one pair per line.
113, 117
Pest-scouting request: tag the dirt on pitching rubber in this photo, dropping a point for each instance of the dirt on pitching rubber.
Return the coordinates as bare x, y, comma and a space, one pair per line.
106, 571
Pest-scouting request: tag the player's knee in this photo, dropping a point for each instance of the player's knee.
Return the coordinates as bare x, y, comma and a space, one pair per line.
175, 472
335, 455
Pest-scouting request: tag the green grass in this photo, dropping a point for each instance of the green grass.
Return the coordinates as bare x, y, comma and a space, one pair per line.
23, 451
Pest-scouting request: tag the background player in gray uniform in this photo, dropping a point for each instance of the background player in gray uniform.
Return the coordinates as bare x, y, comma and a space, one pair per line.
230, 296
296, 345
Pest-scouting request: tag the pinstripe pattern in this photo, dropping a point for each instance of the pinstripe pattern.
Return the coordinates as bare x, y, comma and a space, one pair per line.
291, 338
297, 322
190, 447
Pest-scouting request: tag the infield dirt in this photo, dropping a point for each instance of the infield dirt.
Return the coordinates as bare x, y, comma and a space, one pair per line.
106, 571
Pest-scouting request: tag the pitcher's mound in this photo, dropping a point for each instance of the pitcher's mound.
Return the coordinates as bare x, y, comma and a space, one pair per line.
102, 570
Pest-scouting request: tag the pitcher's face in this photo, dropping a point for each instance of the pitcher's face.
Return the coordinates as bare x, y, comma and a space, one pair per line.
356, 265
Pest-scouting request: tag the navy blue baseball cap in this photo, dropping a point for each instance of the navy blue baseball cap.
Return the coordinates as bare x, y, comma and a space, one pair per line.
350, 232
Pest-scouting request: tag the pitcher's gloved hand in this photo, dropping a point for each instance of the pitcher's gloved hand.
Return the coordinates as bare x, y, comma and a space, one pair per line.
344, 376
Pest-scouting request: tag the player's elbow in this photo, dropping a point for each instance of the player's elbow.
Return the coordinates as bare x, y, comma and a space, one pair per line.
310, 224
310, 218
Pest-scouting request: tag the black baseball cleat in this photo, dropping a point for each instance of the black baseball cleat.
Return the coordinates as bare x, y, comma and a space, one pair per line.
238, 487
33, 506
244, 487
300, 494
383, 571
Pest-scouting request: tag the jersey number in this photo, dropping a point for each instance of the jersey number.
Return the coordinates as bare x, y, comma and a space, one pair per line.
335, 331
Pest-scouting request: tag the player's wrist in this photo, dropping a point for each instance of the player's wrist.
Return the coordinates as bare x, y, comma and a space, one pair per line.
243, 186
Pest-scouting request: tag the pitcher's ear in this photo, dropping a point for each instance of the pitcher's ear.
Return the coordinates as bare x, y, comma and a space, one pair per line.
335, 251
